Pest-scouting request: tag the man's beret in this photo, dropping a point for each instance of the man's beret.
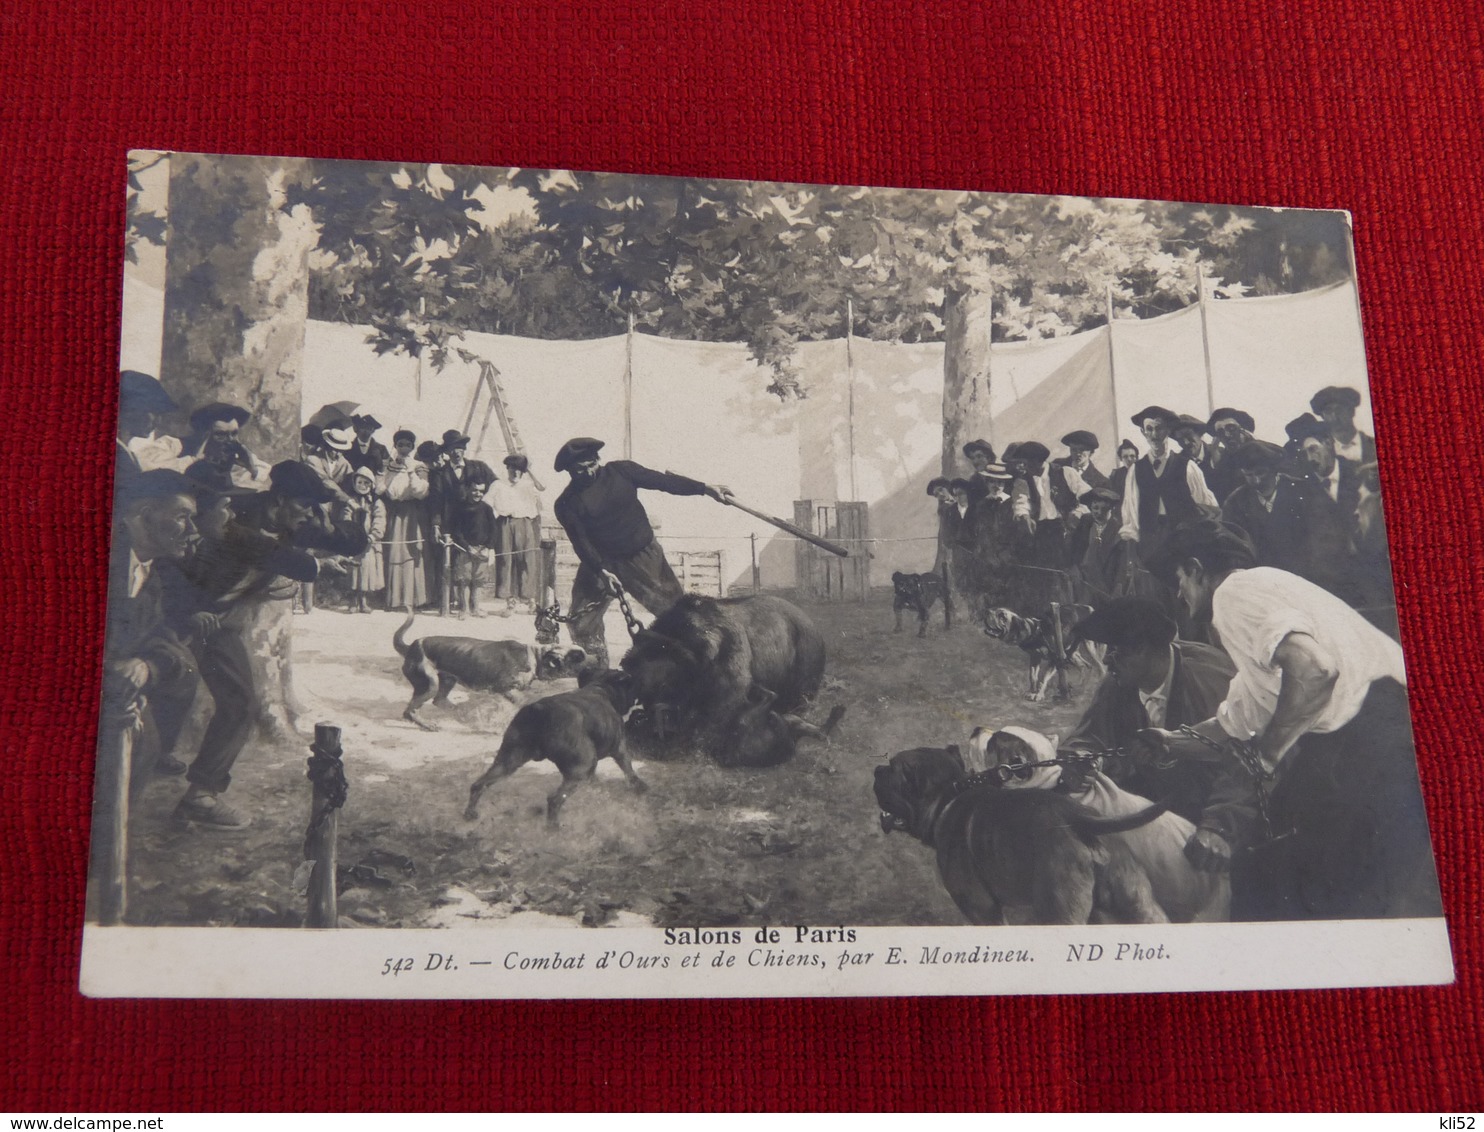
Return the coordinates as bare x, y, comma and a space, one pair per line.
1307, 427
208, 479
1185, 420
1255, 454
1081, 438
1095, 494
1128, 622
1157, 413
140, 392
1243, 419
157, 483
1341, 395
576, 449
1217, 546
207, 415
478, 472
979, 446
1032, 452
294, 479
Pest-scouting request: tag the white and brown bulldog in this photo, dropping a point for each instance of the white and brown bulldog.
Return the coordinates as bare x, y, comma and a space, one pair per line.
439, 664
1049, 642
1154, 875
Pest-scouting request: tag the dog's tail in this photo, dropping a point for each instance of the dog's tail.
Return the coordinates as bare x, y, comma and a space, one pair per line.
399, 638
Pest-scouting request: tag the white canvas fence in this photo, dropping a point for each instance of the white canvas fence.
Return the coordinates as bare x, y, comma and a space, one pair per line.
702, 408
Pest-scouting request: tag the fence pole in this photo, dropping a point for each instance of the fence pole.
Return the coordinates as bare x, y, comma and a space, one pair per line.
1113, 375
327, 775
756, 575
1200, 292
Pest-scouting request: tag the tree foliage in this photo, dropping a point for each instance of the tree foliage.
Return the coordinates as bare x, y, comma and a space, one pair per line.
404, 250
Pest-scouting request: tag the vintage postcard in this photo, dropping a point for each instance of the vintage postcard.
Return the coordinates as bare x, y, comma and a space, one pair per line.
532, 584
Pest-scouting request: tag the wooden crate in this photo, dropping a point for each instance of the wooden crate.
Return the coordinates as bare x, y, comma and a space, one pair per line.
699, 571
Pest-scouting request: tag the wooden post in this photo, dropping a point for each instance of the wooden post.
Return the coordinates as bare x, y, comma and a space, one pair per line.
850, 390
547, 579
628, 392
111, 826
1200, 292
327, 774
757, 586
444, 603
1116, 438
804, 553
1062, 690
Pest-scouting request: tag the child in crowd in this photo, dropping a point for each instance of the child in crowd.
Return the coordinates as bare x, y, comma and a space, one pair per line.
471, 528
367, 510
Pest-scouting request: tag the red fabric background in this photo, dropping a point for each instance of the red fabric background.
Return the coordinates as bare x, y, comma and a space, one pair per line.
1367, 105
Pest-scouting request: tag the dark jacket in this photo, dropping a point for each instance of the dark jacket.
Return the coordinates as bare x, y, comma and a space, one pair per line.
1097, 554
603, 516
472, 525
1197, 687
1063, 496
1305, 533
376, 456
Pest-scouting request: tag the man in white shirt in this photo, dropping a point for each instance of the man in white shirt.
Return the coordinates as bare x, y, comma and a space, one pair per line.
517, 505
1333, 827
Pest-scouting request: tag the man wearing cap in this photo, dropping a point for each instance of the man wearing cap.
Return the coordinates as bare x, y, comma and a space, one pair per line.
256, 556
1337, 404
980, 454
150, 677
1190, 433
1154, 680
610, 531
140, 448
215, 429
1095, 550
1165, 486
1317, 711
364, 451
517, 504
445, 495
1314, 445
1072, 475
1293, 524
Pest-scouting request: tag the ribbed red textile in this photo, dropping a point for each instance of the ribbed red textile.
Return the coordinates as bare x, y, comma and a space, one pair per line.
1368, 105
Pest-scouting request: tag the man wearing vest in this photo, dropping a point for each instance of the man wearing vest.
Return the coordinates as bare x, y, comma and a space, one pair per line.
1165, 487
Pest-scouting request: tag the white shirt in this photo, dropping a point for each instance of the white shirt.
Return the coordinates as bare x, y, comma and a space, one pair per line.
1254, 610
1157, 702
138, 573
1195, 481
158, 451
1354, 451
518, 500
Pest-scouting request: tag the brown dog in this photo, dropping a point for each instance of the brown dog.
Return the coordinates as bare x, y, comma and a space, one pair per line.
571, 730
761, 736
919, 592
1014, 856
1038, 638
440, 664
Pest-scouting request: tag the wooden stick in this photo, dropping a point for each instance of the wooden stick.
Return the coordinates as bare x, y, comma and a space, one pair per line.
797, 532
324, 827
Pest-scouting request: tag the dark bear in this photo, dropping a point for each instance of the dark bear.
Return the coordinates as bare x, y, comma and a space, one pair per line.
698, 664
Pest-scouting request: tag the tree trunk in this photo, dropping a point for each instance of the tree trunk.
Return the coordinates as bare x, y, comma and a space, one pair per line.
236, 305
966, 329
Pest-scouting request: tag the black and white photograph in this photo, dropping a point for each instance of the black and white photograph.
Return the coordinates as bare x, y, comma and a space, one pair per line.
538, 583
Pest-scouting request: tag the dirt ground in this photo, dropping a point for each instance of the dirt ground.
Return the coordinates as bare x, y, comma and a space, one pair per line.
796, 844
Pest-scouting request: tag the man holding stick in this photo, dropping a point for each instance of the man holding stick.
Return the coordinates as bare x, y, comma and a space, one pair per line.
610, 531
